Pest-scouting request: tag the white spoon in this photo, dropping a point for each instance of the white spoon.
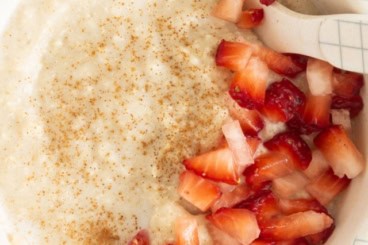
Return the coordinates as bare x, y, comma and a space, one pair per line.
341, 40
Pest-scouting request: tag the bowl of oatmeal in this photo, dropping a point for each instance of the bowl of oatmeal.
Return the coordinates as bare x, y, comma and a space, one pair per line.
100, 103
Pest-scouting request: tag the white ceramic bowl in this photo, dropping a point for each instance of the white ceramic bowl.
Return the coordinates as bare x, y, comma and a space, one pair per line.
352, 209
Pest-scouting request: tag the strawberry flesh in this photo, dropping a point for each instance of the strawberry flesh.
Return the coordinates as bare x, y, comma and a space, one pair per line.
240, 224
268, 167
283, 101
186, 231
141, 238
267, 2
340, 152
353, 104
296, 226
248, 87
317, 111
250, 18
198, 191
231, 198
327, 186
250, 120
292, 145
322, 237
233, 55
216, 165
347, 84
228, 10
300, 205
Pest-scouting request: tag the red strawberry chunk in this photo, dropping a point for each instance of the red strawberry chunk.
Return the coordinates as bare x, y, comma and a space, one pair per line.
299, 241
198, 191
268, 167
317, 111
347, 84
322, 237
292, 145
279, 63
250, 18
254, 143
353, 104
300, 205
248, 87
219, 237
231, 198
216, 165
228, 10
340, 152
261, 242
290, 185
250, 120
296, 124
141, 238
240, 224
296, 225
186, 231
267, 2
263, 203
283, 101
319, 77
327, 186
238, 144
317, 166
233, 55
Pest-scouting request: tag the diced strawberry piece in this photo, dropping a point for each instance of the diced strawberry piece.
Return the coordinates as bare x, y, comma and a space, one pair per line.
250, 120
317, 111
353, 104
217, 165
319, 77
283, 101
288, 186
238, 144
296, 124
250, 18
254, 143
198, 191
219, 237
322, 237
279, 63
340, 152
327, 186
240, 224
300, 205
268, 167
299, 60
298, 241
296, 225
248, 87
293, 146
186, 231
141, 238
317, 166
230, 199
233, 55
261, 242
263, 203
347, 84
267, 2
228, 10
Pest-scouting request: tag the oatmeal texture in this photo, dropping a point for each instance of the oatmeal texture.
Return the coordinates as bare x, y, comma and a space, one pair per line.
100, 101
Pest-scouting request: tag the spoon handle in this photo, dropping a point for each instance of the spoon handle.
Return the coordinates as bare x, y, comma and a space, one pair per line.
342, 6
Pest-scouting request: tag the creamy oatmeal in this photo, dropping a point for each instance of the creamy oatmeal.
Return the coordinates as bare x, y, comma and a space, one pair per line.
100, 101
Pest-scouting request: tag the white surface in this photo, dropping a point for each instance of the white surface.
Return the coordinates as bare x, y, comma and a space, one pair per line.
353, 210
337, 39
